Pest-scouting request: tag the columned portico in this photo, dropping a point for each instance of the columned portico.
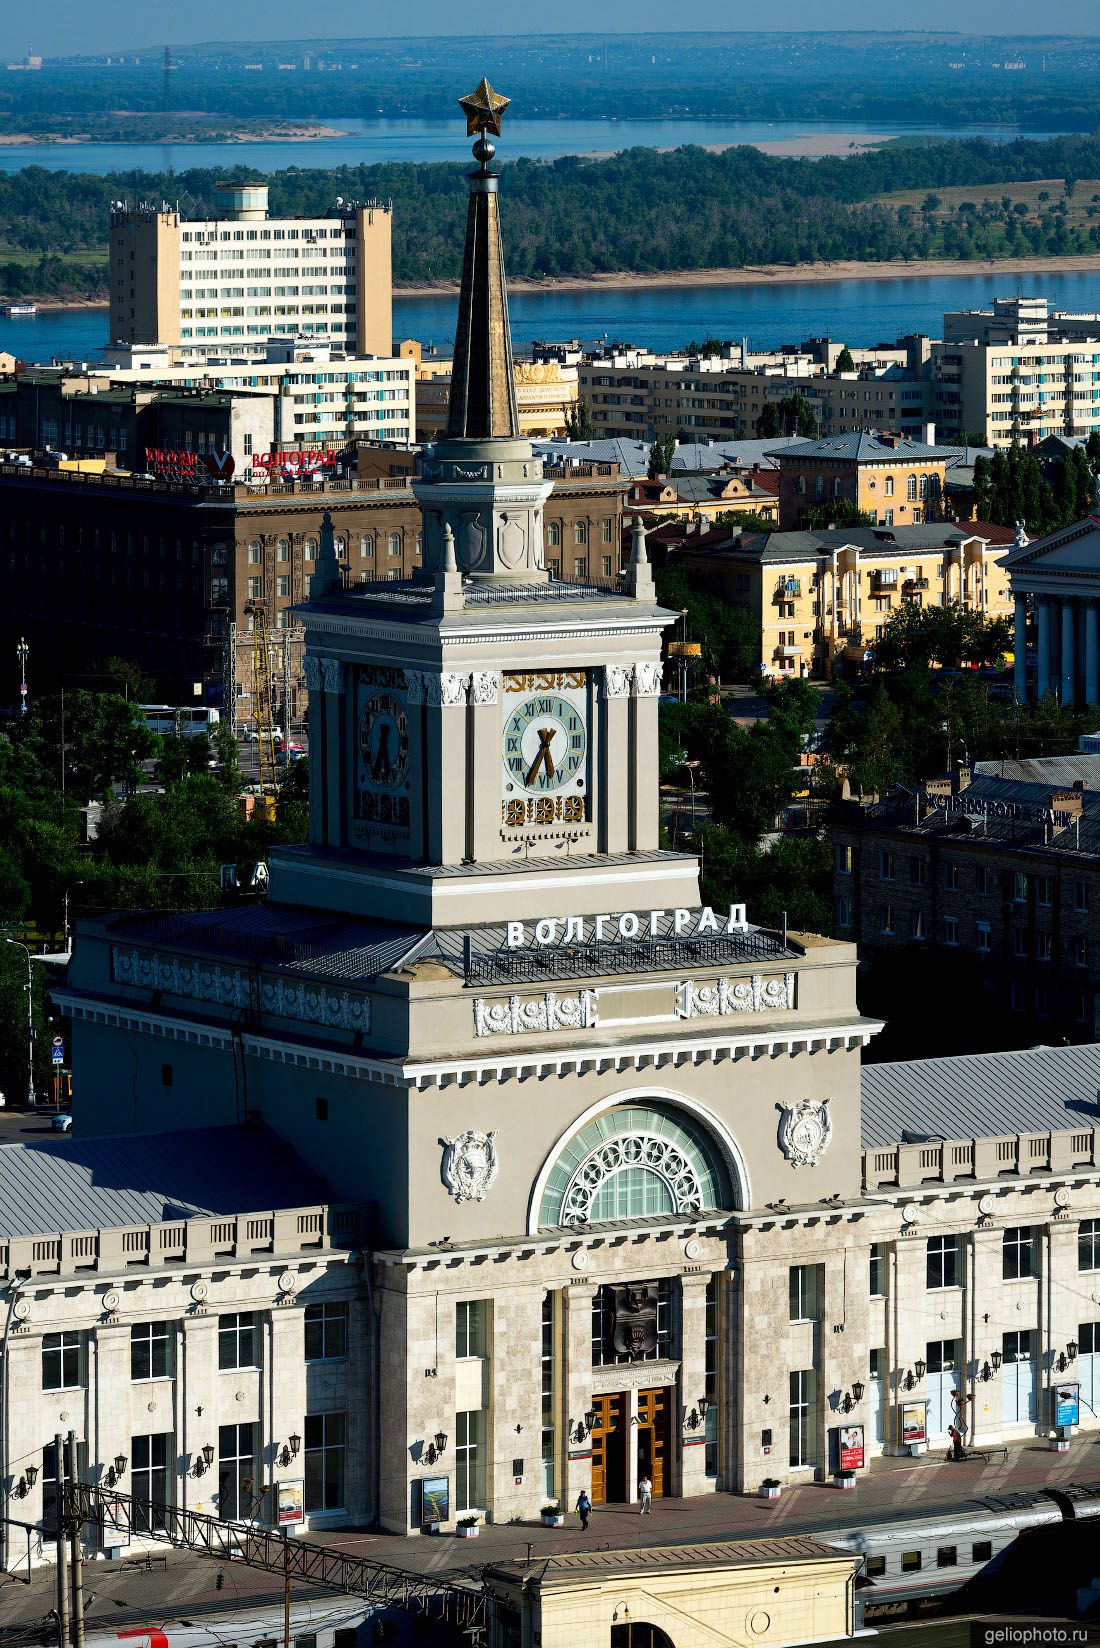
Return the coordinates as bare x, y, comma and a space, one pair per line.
1060, 577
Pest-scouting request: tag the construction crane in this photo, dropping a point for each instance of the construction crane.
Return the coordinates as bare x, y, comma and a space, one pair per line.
261, 709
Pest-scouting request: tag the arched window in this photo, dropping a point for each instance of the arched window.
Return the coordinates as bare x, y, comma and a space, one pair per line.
394, 546
924, 486
255, 553
836, 486
634, 1162
553, 534
580, 532
311, 549
911, 489
366, 548
802, 484
888, 486
282, 549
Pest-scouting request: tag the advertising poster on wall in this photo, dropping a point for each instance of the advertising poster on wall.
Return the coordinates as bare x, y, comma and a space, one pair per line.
1067, 1404
435, 1499
914, 1423
290, 1504
851, 1448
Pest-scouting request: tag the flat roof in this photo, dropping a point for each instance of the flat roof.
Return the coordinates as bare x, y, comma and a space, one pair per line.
734, 1553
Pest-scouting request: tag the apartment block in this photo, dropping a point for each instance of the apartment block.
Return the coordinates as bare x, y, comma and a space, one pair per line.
248, 276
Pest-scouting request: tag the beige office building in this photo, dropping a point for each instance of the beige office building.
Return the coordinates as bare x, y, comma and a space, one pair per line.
246, 276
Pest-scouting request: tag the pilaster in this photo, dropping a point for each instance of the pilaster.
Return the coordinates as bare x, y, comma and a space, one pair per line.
693, 1381
576, 1387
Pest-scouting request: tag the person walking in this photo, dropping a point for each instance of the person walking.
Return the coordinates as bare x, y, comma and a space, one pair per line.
584, 1508
645, 1488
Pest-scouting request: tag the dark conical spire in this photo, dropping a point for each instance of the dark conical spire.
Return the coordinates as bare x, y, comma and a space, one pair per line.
483, 391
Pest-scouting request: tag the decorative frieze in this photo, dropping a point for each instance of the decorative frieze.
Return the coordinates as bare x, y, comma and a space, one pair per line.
282, 997
484, 687
517, 1016
332, 674
647, 680
752, 995
642, 679
312, 673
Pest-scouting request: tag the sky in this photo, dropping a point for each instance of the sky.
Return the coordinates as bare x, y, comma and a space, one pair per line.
74, 26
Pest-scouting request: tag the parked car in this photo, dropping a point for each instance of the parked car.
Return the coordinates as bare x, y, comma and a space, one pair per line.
62, 1122
251, 736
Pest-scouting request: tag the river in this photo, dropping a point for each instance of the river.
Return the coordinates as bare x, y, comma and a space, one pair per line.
663, 317
371, 141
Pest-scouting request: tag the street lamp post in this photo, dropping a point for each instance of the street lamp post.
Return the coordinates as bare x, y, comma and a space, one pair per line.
71, 888
31, 1105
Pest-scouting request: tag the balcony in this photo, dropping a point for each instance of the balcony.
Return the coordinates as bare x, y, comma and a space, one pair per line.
788, 589
784, 651
915, 583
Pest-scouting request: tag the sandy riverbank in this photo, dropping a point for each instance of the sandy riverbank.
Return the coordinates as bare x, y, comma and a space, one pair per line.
777, 274
267, 134
813, 146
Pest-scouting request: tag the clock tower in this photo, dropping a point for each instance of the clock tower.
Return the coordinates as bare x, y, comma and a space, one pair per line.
483, 719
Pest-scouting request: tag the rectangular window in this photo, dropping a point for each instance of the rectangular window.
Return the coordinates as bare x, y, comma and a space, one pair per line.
1080, 951
943, 1355
49, 1484
549, 1429
1018, 1253
844, 912
918, 870
1044, 944
469, 1461
803, 1292
1088, 1244
803, 1418
1044, 890
151, 1479
62, 1361
983, 936
886, 919
842, 860
326, 1459
877, 1279
983, 880
237, 1472
886, 864
910, 1562
951, 878
471, 1337
942, 1261
238, 1340
875, 1567
1019, 941
1081, 897
981, 1550
946, 1556
326, 1327
916, 924
1088, 1338
1019, 887
951, 930
152, 1346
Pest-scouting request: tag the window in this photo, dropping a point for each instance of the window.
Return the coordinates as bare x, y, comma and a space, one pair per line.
886, 864
255, 588
311, 549
1044, 890
1088, 1338
1018, 1253
1019, 941
981, 1550
886, 919
62, 1361
916, 924
326, 1454
580, 532
238, 1340
393, 546
842, 860
803, 1292
946, 1556
951, 878
236, 1471
282, 585
888, 487
875, 1567
553, 534
580, 567
1019, 887
803, 1418
1080, 951
844, 912
942, 1262
549, 1439
1044, 943
152, 1347
471, 1338
151, 1478
1088, 1244
366, 548
877, 1279
604, 1352
255, 554
49, 1484
326, 1328
910, 1562
282, 549
469, 1461
984, 940
1080, 897
951, 930
911, 489
876, 1362
918, 870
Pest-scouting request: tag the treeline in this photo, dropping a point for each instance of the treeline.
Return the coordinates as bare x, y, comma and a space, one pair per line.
641, 210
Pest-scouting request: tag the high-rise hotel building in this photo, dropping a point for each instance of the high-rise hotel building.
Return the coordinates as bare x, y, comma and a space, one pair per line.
245, 277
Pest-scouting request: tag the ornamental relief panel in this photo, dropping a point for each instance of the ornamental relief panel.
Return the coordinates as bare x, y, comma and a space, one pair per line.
299, 999
752, 995
516, 1016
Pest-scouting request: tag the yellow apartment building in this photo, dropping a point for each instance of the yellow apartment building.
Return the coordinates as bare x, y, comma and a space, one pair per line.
898, 482
820, 597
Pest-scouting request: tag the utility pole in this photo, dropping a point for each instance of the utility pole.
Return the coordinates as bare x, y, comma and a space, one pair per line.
76, 1553
62, 1552
286, 1588
22, 652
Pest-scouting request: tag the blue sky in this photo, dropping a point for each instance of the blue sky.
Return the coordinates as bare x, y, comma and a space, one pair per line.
67, 26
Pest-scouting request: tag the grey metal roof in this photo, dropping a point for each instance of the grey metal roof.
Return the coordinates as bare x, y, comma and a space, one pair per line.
865, 446
882, 541
1061, 772
631, 456
1007, 831
981, 1095
145, 1178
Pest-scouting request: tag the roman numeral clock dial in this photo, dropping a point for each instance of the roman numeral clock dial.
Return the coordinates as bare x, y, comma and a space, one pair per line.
545, 749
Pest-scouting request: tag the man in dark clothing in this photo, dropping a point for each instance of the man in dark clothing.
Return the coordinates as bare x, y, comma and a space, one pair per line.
584, 1507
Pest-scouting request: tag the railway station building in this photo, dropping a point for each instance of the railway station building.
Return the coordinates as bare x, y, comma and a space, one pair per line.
624, 1200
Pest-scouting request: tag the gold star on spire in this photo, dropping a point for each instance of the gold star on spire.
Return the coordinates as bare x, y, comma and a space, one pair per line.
483, 110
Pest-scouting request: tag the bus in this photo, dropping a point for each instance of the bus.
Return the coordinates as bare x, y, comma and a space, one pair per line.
189, 721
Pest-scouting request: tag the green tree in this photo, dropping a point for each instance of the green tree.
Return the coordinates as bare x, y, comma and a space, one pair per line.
105, 740
727, 633
578, 422
840, 513
844, 361
947, 636
660, 456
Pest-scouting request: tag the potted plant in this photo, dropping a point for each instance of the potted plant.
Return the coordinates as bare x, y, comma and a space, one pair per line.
769, 1488
845, 1478
553, 1516
468, 1527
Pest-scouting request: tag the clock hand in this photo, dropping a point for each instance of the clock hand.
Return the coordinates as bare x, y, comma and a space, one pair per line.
546, 735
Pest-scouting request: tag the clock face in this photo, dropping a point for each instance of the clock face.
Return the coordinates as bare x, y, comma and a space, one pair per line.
545, 748
383, 742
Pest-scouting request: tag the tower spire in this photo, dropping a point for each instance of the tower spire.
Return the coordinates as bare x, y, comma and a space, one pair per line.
483, 392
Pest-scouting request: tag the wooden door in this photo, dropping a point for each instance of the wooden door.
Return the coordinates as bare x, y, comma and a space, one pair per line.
653, 1434
607, 1448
